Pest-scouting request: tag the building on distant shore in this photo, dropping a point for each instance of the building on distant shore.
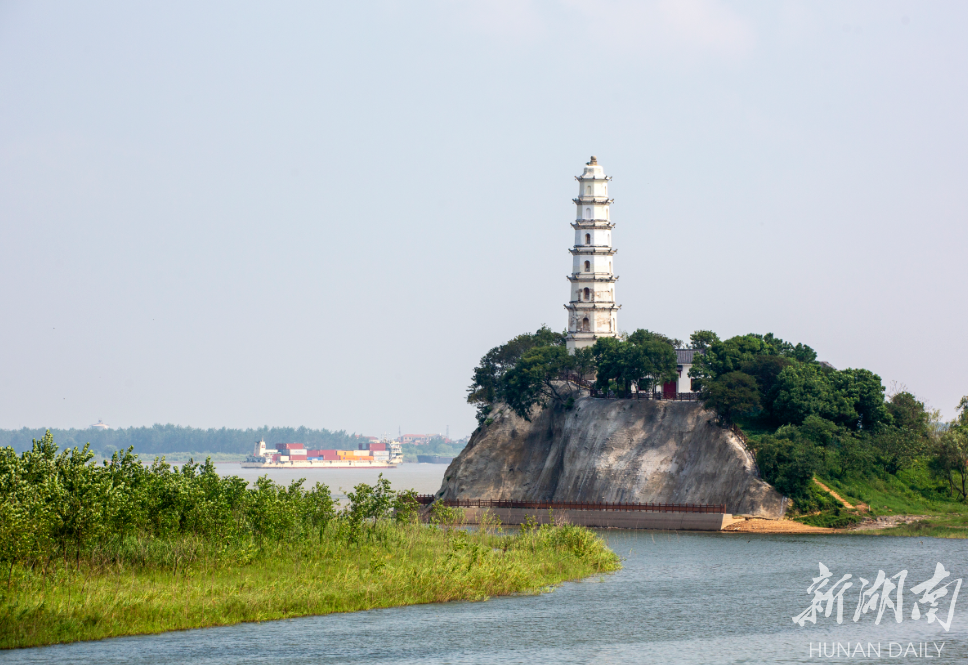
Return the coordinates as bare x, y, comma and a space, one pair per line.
421, 439
100, 425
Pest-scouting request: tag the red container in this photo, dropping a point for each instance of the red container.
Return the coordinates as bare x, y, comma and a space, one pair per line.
275, 458
289, 446
378, 446
329, 454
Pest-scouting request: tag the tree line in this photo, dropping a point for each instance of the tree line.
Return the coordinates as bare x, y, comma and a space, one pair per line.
163, 439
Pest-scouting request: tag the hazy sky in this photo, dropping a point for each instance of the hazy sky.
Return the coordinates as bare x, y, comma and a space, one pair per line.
323, 214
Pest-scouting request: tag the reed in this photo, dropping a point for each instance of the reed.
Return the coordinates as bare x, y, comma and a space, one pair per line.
140, 586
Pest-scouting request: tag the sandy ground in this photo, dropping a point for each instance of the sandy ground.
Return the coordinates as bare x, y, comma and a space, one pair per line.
759, 525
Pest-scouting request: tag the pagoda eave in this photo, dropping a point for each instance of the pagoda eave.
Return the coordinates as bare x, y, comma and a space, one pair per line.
591, 250
592, 277
593, 200
592, 224
589, 306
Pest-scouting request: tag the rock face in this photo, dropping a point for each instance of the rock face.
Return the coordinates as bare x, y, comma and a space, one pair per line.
631, 451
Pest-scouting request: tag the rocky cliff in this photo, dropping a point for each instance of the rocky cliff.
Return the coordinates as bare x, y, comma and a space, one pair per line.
611, 450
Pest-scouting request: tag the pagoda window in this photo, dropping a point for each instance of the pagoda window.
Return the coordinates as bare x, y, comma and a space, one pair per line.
588, 266
584, 324
588, 190
586, 293
588, 213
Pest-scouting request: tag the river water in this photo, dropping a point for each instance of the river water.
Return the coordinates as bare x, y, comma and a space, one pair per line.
425, 478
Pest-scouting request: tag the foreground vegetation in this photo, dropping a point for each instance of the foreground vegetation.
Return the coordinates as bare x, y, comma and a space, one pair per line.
99, 550
803, 419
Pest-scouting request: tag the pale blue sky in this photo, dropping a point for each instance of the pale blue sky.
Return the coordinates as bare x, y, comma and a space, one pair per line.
323, 214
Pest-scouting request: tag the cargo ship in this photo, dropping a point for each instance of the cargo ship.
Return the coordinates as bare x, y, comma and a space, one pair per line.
384, 454
434, 459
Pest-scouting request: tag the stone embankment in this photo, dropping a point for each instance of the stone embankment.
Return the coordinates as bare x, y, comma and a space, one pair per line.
606, 519
622, 451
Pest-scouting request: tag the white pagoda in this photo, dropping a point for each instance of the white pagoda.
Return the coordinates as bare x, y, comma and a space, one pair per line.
592, 312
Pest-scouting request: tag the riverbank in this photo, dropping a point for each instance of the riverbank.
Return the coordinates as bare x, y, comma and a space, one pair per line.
914, 526
391, 565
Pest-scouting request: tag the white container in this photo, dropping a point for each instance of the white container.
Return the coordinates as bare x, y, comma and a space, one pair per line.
283, 458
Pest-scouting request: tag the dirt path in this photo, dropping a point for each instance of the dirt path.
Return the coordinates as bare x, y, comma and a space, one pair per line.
832, 493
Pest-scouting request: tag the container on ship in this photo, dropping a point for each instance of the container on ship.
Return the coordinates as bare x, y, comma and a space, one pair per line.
384, 454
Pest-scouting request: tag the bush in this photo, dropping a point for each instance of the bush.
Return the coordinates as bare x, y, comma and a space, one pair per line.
788, 464
731, 395
63, 504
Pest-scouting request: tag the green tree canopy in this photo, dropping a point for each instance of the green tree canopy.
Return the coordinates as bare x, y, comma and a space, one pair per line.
702, 339
641, 336
732, 394
487, 385
788, 462
803, 390
645, 360
536, 378
731, 355
907, 412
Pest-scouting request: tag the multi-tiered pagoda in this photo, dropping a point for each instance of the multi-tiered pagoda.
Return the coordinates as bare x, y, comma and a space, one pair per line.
592, 312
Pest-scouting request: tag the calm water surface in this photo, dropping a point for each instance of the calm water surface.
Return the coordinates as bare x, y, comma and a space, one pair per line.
686, 598
425, 478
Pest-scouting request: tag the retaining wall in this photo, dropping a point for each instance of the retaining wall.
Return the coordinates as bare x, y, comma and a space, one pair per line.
669, 521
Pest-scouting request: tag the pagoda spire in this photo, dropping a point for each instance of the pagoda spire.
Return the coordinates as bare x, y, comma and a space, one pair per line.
592, 312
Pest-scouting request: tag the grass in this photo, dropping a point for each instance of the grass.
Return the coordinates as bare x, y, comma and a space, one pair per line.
911, 492
831, 519
391, 565
927, 528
